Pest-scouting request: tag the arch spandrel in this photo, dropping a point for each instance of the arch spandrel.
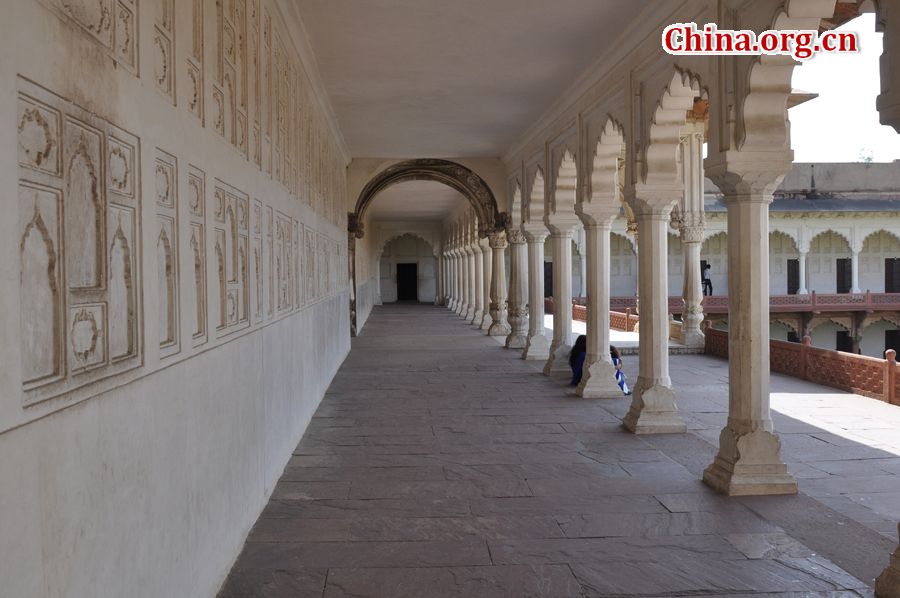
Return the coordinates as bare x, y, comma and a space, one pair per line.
452, 174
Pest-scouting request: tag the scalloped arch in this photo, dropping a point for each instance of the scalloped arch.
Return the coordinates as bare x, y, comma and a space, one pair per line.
455, 176
668, 117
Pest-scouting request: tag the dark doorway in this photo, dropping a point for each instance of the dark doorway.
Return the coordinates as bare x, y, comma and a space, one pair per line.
793, 337
844, 275
892, 275
407, 282
844, 342
793, 274
892, 340
548, 279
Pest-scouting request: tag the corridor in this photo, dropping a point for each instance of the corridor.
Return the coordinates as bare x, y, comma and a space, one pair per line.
441, 464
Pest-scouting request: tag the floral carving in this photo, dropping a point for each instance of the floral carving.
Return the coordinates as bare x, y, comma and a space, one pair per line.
119, 172
36, 138
85, 333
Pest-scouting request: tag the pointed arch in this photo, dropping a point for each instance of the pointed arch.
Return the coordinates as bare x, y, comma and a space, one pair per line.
40, 317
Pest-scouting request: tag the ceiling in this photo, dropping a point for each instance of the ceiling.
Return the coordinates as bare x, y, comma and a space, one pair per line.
452, 78
415, 200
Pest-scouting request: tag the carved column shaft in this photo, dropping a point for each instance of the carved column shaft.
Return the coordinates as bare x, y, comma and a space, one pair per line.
470, 276
802, 272
749, 457
854, 271
653, 409
487, 267
518, 290
479, 284
498, 286
558, 361
598, 378
463, 283
692, 294
537, 346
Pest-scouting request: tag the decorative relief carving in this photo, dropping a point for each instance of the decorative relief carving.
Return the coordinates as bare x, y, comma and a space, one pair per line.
120, 165
121, 284
38, 136
230, 96
83, 207
86, 333
219, 206
270, 270
162, 62
167, 253
232, 250
40, 284
257, 262
109, 22
197, 212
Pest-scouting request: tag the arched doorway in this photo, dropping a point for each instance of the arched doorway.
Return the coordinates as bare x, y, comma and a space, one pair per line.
454, 175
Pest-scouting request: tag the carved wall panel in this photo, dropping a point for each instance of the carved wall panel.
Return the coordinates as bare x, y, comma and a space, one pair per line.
195, 80
230, 88
197, 216
298, 268
164, 49
270, 262
167, 253
232, 255
266, 93
311, 286
256, 262
111, 23
78, 208
283, 262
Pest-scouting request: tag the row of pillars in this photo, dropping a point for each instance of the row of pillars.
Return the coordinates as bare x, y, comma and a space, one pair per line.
749, 460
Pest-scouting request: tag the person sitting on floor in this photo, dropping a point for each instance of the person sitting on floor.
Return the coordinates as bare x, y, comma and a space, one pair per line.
576, 358
620, 375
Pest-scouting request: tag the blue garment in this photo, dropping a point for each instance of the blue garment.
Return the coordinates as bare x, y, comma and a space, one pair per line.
620, 377
576, 369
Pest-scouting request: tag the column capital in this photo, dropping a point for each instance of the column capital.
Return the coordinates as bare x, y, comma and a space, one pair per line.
535, 236
750, 176
646, 199
515, 236
597, 217
497, 240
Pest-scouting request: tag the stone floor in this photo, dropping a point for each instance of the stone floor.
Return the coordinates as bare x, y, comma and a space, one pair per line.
440, 464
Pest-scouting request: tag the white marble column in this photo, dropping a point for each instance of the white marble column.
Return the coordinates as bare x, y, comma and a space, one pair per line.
598, 379
463, 283
479, 285
653, 409
692, 294
854, 271
378, 281
452, 264
487, 268
582, 263
470, 276
438, 276
887, 585
802, 290
558, 360
498, 285
537, 346
518, 290
749, 457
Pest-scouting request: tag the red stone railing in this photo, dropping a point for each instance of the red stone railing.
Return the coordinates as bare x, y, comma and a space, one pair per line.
718, 304
624, 322
866, 376
579, 313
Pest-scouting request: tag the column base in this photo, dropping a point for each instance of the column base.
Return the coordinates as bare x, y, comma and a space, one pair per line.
598, 381
693, 339
558, 361
478, 318
461, 308
653, 410
498, 329
378, 302
516, 340
537, 348
887, 585
486, 322
470, 313
748, 465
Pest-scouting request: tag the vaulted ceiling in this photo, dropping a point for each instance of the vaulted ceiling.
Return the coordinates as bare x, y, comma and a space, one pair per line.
453, 78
